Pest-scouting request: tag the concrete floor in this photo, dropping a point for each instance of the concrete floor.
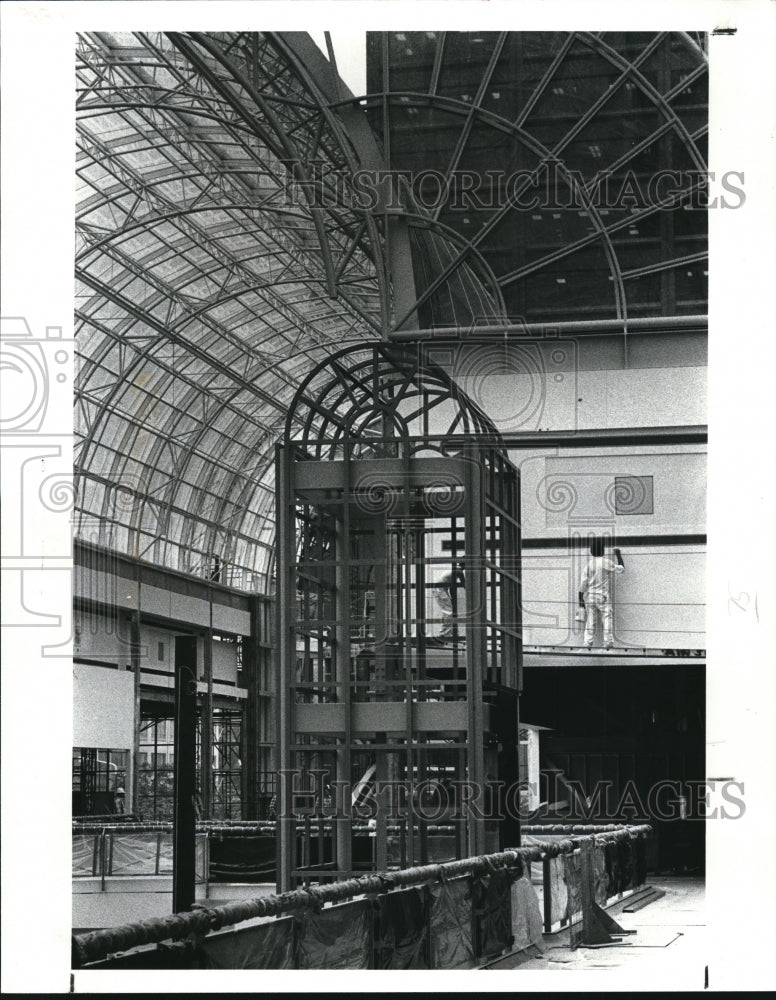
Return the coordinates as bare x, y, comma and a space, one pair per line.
668, 945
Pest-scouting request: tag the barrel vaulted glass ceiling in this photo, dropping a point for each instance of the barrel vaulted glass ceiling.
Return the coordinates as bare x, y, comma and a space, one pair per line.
613, 126
222, 250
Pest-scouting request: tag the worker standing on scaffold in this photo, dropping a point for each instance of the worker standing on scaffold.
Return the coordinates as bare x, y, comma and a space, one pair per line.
596, 582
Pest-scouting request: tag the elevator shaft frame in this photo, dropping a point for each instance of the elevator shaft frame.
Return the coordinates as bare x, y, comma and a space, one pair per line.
384, 702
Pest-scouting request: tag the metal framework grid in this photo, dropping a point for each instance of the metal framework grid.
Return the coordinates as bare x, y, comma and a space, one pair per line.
608, 111
396, 477
99, 780
221, 249
224, 776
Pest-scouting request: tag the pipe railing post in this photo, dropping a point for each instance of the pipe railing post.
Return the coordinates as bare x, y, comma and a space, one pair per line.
102, 861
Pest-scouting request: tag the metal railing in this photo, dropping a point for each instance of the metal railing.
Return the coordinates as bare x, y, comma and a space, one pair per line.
577, 861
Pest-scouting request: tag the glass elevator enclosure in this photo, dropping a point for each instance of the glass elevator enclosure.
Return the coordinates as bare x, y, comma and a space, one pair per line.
399, 636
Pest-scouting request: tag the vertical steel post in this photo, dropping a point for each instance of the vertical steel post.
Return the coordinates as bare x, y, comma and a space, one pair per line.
286, 652
343, 823
475, 640
253, 669
134, 784
102, 861
382, 760
184, 851
206, 750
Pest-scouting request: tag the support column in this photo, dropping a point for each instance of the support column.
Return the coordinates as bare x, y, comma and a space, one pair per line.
206, 750
343, 819
475, 642
286, 670
184, 859
382, 770
251, 716
134, 654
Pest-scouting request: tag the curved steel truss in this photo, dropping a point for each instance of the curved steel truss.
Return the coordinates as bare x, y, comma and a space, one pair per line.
208, 281
383, 399
572, 164
222, 248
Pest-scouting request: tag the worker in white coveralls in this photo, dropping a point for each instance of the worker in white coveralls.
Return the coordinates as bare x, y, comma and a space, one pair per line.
595, 593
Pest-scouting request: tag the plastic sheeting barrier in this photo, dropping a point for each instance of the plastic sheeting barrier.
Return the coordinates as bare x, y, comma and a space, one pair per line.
572, 876
492, 913
401, 930
86, 857
526, 915
624, 867
451, 929
129, 854
558, 891
640, 861
266, 946
448, 916
337, 937
136, 853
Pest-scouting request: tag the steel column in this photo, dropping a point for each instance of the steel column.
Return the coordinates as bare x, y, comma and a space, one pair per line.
184, 850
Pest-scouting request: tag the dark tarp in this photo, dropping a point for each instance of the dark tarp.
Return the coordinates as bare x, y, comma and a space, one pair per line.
492, 913
337, 937
526, 915
613, 869
242, 858
451, 937
401, 930
627, 867
640, 861
264, 946
600, 878
174, 956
